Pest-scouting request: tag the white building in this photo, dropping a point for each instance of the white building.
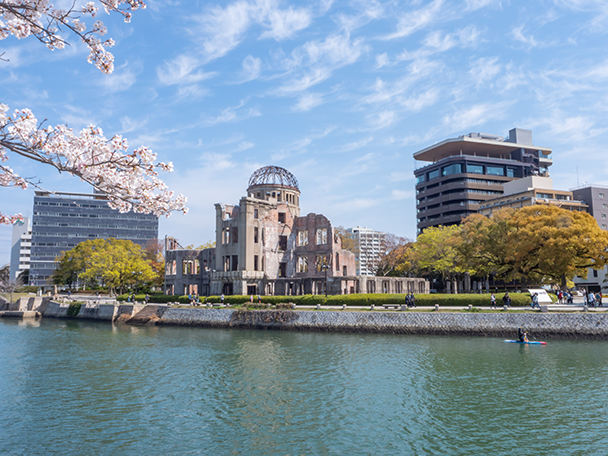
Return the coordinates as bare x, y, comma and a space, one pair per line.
370, 243
21, 248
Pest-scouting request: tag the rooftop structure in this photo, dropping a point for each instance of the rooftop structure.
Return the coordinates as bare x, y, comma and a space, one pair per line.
467, 171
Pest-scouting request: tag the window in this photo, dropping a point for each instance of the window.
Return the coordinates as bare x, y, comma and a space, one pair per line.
603, 215
255, 234
303, 237
474, 169
227, 263
337, 261
512, 172
601, 195
495, 171
604, 206
420, 179
544, 195
255, 211
433, 175
321, 236
302, 264
235, 263
235, 234
282, 242
281, 217
255, 262
226, 236
595, 273
282, 269
452, 169
321, 262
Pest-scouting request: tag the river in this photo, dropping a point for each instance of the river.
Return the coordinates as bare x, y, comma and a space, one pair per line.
75, 387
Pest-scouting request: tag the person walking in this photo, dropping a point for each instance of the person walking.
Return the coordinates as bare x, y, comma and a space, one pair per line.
506, 299
222, 299
493, 301
591, 299
147, 298
535, 303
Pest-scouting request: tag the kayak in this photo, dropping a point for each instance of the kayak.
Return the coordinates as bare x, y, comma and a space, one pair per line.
532, 342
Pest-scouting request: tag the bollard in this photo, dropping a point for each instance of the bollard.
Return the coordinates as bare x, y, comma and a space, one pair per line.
436, 306
372, 307
343, 306
403, 307
227, 304
470, 307
505, 308
293, 305
585, 308
318, 306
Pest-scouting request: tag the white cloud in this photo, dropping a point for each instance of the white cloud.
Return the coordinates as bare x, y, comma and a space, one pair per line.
122, 78
320, 58
182, 70
129, 124
355, 145
382, 119
402, 194
244, 145
382, 60
437, 42
281, 24
412, 21
474, 116
308, 101
231, 114
484, 70
528, 41
252, 68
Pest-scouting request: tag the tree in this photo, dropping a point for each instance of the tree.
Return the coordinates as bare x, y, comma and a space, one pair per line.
436, 251
206, 245
392, 256
115, 263
348, 240
539, 243
129, 179
155, 255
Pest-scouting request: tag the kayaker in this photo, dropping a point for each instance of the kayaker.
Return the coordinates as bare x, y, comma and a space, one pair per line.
526, 337
521, 335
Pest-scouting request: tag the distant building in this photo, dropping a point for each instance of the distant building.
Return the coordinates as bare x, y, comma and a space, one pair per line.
264, 246
596, 198
63, 220
370, 244
21, 247
532, 190
467, 171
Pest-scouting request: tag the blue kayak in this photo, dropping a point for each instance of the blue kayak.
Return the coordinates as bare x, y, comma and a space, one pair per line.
531, 342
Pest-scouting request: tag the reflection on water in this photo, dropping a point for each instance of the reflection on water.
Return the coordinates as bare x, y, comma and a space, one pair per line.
74, 387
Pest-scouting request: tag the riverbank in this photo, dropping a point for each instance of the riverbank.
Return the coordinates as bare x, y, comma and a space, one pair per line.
570, 325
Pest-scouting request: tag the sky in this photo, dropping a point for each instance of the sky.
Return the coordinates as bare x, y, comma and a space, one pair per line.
340, 93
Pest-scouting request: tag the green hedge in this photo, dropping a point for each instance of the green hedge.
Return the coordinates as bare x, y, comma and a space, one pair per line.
74, 309
444, 300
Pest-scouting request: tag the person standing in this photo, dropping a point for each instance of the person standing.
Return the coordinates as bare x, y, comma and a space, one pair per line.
147, 298
506, 299
222, 299
493, 301
535, 303
591, 299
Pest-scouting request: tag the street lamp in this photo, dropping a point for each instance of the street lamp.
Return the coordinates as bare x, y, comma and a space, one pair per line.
325, 267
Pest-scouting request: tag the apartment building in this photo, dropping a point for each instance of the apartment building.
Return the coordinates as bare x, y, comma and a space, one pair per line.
370, 244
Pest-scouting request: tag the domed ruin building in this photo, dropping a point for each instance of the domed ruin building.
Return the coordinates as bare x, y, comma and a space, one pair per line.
264, 246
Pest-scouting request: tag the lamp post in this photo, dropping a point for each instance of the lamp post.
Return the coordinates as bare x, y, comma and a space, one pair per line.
325, 267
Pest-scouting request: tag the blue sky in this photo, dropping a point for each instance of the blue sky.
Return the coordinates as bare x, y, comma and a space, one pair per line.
339, 93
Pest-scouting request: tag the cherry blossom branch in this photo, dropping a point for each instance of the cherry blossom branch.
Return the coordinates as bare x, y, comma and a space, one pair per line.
128, 179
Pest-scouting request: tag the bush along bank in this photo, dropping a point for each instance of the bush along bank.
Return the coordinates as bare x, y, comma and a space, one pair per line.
378, 299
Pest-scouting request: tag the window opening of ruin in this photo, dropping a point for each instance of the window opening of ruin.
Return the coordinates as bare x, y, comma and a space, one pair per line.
302, 264
255, 262
255, 234
282, 242
281, 217
303, 237
321, 236
337, 261
344, 271
235, 235
255, 212
321, 262
282, 269
235, 262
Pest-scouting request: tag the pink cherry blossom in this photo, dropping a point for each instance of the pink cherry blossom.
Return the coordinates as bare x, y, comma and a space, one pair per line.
130, 180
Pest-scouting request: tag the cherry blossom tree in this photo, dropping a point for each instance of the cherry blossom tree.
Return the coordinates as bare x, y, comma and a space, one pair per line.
130, 179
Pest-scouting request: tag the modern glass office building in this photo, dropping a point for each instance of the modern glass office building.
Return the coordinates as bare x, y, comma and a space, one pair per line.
62, 220
471, 169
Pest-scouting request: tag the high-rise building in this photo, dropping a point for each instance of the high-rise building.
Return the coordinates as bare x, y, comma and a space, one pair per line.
471, 169
596, 197
21, 247
63, 220
370, 244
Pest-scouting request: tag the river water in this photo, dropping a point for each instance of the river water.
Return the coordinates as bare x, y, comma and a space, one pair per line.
75, 388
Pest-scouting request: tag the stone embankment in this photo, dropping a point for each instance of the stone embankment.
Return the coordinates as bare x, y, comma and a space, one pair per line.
580, 325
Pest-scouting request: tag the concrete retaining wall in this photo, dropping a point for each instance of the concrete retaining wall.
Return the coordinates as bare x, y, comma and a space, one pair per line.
579, 325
